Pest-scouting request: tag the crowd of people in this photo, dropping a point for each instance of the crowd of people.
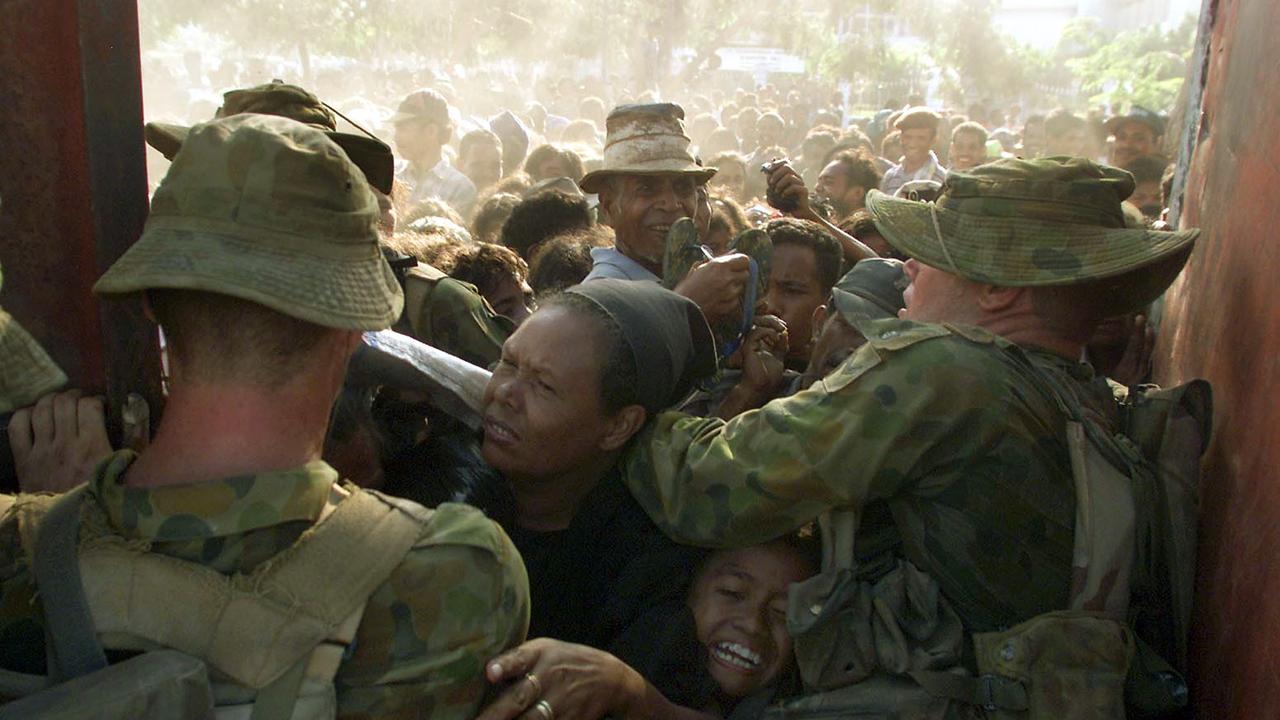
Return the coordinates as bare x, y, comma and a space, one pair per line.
777, 411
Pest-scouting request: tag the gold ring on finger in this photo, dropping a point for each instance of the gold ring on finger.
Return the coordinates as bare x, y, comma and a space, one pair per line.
537, 686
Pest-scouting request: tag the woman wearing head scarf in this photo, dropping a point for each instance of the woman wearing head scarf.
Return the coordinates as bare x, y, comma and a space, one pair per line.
611, 619
576, 382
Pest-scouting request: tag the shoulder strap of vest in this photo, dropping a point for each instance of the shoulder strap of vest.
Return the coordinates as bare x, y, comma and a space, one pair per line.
253, 627
74, 648
418, 284
1103, 544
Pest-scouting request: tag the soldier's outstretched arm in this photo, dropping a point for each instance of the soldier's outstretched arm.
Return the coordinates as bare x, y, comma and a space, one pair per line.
859, 434
460, 598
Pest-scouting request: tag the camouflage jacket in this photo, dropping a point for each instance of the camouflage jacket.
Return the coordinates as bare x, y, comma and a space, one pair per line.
458, 598
944, 425
453, 316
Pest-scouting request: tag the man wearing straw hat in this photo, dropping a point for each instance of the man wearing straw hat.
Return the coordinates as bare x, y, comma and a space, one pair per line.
228, 538
945, 431
649, 181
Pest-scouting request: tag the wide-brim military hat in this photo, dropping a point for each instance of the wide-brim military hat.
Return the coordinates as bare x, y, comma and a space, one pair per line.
26, 370
1031, 223
269, 210
871, 290
370, 154
646, 140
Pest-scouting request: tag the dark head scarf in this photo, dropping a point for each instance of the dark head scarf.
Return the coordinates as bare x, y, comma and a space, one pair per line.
667, 333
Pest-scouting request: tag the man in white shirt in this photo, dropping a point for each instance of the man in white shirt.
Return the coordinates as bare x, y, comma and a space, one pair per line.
422, 129
919, 129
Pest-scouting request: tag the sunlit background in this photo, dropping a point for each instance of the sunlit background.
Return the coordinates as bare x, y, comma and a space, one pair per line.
493, 54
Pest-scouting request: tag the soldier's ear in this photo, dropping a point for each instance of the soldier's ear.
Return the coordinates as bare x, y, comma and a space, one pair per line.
996, 298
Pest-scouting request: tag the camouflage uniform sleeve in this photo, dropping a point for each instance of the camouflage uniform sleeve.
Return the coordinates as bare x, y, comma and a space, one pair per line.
460, 598
463, 324
860, 434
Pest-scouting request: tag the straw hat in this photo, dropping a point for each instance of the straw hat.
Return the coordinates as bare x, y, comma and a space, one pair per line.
268, 210
646, 140
1043, 222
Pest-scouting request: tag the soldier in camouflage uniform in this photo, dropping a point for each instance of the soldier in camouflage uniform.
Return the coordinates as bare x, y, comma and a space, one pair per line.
943, 431
263, 222
440, 311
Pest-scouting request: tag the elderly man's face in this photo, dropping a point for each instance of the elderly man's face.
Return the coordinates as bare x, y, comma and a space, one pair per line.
642, 208
1132, 140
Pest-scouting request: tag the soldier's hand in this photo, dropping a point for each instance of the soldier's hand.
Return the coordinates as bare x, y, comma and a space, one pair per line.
575, 681
57, 442
786, 182
1135, 365
716, 285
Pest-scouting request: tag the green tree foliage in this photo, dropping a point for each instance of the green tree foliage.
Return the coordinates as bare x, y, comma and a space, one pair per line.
1143, 67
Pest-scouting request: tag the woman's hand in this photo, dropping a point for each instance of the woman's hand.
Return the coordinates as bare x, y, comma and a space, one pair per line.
554, 680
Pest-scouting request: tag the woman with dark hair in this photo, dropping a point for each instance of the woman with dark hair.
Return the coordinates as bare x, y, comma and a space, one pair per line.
577, 381
615, 627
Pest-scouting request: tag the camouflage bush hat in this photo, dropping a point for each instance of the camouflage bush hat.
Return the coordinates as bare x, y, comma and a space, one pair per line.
272, 211
26, 370
1043, 222
646, 140
872, 290
370, 154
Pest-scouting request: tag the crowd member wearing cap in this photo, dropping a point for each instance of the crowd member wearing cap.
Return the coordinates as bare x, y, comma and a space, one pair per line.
1134, 134
260, 261
872, 290
949, 415
649, 181
422, 128
918, 128
577, 381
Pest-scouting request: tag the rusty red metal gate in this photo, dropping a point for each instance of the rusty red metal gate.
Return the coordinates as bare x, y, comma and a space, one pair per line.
73, 183
1222, 322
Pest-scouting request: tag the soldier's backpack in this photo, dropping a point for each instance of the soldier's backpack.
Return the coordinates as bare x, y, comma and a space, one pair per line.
250, 646
871, 651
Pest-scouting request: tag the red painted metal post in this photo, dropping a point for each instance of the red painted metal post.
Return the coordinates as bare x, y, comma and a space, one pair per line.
73, 181
1222, 322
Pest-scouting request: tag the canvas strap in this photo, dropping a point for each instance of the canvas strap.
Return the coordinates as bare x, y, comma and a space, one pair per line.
255, 627
74, 646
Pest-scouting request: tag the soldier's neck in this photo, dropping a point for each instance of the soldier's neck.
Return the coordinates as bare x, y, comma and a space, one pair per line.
1028, 331
210, 431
